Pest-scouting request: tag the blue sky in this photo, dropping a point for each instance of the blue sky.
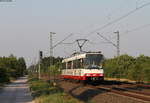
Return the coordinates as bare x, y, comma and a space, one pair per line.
25, 26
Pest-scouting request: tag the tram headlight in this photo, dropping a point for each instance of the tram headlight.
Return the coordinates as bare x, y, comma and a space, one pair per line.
101, 66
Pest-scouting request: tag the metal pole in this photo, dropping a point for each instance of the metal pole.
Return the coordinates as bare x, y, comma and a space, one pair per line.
51, 48
39, 70
118, 43
40, 59
118, 49
51, 51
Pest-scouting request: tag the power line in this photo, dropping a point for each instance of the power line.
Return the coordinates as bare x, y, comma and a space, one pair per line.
107, 39
138, 28
118, 19
94, 43
115, 45
107, 16
134, 29
71, 43
62, 40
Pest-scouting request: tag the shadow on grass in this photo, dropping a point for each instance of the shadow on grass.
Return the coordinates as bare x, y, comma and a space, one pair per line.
86, 95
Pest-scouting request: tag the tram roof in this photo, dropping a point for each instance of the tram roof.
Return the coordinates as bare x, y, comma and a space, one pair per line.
79, 56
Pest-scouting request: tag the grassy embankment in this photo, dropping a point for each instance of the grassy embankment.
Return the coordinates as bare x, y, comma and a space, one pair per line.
43, 92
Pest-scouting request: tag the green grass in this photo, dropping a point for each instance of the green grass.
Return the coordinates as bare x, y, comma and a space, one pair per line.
57, 98
43, 92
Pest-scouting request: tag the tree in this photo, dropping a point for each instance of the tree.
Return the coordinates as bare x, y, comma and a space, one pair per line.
11, 67
21, 66
125, 66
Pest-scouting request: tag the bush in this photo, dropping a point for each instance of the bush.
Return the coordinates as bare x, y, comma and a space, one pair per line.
4, 78
128, 67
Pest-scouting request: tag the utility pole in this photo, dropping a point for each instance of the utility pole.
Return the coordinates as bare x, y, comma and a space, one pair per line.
115, 45
118, 50
51, 50
39, 71
40, 59
118, 43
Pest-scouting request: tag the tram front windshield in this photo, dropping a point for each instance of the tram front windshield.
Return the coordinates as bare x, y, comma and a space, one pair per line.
93, 61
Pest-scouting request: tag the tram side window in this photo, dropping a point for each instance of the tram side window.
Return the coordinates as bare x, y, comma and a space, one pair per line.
64, 65
74, 64
78, 63
85, 63
69, 65
82, 63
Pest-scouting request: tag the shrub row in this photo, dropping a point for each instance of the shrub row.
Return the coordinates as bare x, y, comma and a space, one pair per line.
124, 66
11, 67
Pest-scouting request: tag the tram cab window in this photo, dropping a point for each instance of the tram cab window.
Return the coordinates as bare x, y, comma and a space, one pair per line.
93, 61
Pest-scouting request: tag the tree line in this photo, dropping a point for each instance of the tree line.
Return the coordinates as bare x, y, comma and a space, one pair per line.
56, 62
124, 66
128, 67
49, 66
11, 67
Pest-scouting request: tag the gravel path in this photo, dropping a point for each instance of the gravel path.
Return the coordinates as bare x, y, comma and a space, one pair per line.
16, 92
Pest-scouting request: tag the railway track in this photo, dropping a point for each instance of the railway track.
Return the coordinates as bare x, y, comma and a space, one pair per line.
143, 86
125, 92
133, 94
